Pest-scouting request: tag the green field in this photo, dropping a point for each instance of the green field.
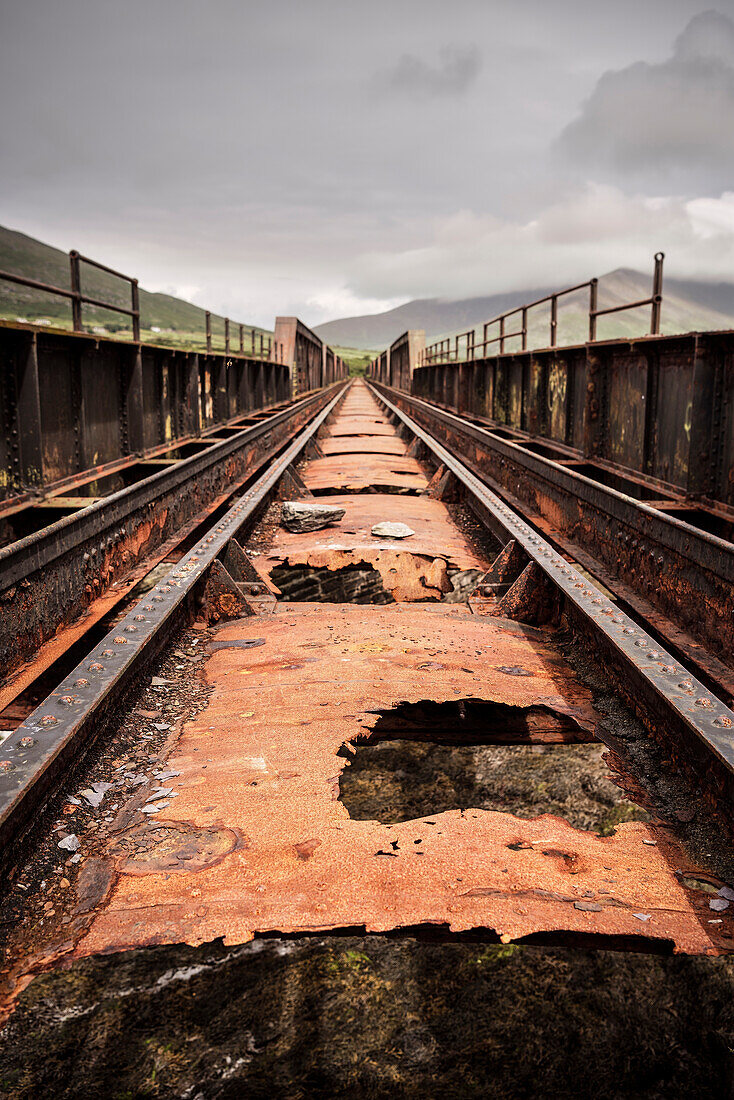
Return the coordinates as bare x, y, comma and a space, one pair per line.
356, 359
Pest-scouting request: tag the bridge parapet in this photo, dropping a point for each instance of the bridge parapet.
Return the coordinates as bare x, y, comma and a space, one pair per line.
313, 363
75, 402
660, 406
395, 365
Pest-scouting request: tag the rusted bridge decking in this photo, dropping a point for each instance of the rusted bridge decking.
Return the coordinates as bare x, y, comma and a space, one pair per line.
234, 827
257, 840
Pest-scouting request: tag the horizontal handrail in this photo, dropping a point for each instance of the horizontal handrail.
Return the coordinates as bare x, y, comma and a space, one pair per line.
8, 277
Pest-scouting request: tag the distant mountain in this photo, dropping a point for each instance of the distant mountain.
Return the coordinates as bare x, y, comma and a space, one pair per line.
688, 305
22, 255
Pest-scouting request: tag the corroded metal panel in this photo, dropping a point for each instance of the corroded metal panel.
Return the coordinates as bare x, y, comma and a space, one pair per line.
627, 394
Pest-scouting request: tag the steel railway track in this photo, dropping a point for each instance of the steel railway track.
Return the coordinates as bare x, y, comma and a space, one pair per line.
675, 575
493, 640
60, 580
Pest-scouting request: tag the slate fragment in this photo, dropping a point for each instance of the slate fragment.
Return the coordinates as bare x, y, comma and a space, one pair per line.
303, 515
388, 530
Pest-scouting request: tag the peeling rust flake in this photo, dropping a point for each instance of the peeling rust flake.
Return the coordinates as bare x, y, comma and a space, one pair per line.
155, 847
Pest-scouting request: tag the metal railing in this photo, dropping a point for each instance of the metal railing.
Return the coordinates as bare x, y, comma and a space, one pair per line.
443, 352
77, 297
269, 349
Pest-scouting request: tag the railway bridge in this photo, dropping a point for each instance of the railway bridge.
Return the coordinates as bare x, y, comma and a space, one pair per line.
251, 606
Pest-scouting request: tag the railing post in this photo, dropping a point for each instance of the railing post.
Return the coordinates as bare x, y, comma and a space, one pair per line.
502, 334
524, 328
226, 335
242, 339
76, 289
192, 391
134, 403
262, 345
208, 332
252, 335
593, 301
26, 436
657, 294
135, 295
554, 321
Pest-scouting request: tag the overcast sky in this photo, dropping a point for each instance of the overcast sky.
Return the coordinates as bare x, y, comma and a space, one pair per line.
329, 157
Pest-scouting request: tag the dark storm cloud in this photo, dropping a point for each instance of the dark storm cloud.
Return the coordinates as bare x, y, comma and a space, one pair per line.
666, 125
455, 72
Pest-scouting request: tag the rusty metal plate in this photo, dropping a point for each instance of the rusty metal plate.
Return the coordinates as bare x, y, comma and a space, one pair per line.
364, 471
416, 568
362, 425
364, 444
257, 840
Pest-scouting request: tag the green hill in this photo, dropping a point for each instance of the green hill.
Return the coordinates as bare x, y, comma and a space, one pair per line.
180, 323
688, 306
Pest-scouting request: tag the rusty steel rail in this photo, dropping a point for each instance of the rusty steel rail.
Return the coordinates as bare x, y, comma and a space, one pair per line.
656, 685
36, 754
442, 351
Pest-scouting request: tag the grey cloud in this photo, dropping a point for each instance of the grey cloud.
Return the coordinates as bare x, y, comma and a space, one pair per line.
455, 72
244, 151
664, 126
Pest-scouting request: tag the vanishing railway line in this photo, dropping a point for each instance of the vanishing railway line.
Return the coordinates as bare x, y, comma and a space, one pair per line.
227, 710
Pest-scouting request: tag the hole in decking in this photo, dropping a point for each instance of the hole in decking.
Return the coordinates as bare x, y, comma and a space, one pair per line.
358, 583
361, 583
412, 767
354, 490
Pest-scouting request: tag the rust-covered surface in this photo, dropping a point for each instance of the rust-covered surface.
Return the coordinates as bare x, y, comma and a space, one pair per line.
365, 473
416, 568
375, 460
357, 424
256, 839
251, 838
362, 444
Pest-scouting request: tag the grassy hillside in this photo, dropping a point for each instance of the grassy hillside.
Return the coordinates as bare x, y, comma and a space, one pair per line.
687, 306
356, 359
181, 324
